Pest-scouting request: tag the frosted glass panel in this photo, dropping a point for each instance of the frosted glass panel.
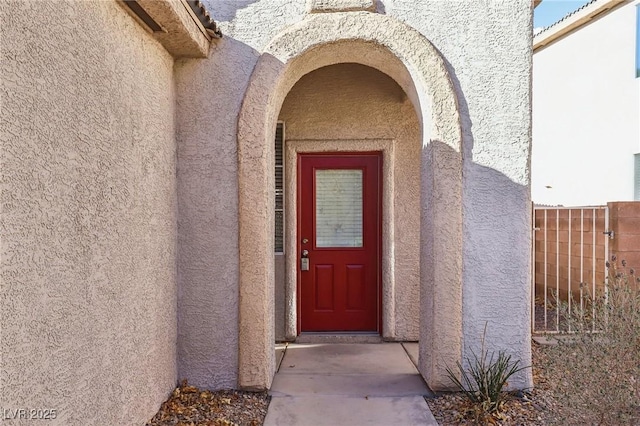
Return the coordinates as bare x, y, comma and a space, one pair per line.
338, 208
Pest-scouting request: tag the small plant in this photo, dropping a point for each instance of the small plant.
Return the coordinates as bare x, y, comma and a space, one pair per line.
597, 366
483, 382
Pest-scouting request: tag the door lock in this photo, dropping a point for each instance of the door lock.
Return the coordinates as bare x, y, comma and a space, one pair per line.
304, 260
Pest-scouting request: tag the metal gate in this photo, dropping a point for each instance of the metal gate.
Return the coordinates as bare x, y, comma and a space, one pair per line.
570, 251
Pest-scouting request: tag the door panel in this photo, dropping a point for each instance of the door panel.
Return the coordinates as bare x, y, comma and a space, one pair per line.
356, 288
339, 229
324, 287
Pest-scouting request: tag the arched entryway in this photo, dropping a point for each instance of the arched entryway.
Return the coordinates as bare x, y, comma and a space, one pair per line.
408, 58
337, 111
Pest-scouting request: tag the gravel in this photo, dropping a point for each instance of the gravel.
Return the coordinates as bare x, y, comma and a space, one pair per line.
533, 407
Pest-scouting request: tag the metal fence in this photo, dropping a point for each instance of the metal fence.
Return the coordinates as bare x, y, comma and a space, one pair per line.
570, 250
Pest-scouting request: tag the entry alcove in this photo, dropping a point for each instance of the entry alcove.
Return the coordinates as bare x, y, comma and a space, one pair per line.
350, 107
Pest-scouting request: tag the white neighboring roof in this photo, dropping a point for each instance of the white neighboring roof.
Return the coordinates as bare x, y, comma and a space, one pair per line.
580, 17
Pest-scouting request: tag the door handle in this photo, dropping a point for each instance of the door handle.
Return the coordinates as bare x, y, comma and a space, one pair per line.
304, 260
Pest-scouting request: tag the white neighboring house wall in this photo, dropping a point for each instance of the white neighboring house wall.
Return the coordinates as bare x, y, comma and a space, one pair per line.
586, 107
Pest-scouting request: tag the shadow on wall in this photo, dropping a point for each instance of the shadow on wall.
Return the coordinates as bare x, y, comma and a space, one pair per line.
495, 277
225, 10
497, 280
207, 187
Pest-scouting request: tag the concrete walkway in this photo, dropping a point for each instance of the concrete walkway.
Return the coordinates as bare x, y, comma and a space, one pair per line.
348, 384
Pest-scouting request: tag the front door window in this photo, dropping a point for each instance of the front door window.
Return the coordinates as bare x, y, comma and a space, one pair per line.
338, 208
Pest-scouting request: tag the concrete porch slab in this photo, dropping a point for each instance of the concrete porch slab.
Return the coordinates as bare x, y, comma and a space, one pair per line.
334, 411
389, 385
348, 384
339, 338
412, 349
281, 348
387, 358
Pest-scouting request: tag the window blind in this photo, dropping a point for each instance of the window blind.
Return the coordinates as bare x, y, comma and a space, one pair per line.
338, 208
279, 188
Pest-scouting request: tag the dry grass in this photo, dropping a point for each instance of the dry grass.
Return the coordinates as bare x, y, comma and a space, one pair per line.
544, 405
585, 379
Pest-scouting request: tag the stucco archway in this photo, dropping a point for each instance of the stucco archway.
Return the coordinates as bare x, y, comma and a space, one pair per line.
406, 56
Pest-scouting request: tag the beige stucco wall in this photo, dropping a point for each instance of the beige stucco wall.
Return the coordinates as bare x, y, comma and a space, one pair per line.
88, 241
352, 103
209, 94
488, 49
89, 190
321, 40
479, 51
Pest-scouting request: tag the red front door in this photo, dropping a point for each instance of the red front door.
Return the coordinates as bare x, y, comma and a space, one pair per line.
339, 219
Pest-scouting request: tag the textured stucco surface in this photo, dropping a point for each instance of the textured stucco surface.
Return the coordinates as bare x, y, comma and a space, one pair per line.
323, 6
486, 51
347, 107
490, 63
89, 190
87, 166
320, 40
206, 115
